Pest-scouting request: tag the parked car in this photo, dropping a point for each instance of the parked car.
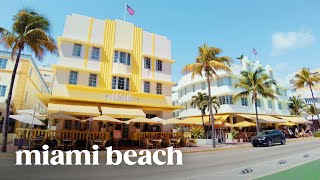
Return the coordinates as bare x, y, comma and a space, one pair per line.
268, 137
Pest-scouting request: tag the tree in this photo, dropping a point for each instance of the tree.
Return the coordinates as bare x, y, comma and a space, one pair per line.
29, 29
256, 83
240, 58
200, 101
296, 105
208, 63
311, 110
304, 78
215, 104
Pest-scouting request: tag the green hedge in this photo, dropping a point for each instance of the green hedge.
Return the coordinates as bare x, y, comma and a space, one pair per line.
317, 134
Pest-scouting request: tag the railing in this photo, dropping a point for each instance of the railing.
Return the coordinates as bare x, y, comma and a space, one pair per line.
165, 135
55, 134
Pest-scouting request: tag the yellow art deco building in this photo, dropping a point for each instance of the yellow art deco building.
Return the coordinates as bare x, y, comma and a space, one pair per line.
28, 85
111, 67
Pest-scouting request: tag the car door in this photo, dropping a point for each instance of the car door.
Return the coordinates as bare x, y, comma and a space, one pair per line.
278, 136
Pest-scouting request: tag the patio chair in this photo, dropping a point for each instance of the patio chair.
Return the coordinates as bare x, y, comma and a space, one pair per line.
103, 144
158, 143
72, 145
171, 143
177, 143
187, 142
148, 144
59, 144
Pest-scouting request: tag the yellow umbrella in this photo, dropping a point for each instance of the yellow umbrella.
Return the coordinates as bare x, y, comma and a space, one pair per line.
181, 121
227, 125
287, 124
243, 124
143, 120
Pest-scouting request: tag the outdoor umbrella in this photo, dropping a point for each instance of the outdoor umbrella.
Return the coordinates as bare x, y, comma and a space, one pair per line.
243, 124
27, 118
157, 119
287, 124
142, 120
31, 112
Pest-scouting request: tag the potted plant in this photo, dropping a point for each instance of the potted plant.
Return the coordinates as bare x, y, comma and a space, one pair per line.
235, 134
197, 132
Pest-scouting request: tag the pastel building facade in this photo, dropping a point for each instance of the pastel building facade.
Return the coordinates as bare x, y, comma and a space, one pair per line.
28, 84
224, 89
111, 67
305, 92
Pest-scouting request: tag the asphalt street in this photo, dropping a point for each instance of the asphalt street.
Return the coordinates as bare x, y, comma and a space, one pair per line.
226, 164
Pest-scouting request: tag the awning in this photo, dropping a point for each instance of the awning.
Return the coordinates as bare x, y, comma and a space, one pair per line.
243, 124
295, 119
74, 109
27, 119
218, 119
287, 124
60, 116
122, 112
142, 120
157, 119
262, 118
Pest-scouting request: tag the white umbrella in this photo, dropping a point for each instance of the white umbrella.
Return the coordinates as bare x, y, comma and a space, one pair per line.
157, 119
61, 115
27, 118
31, 112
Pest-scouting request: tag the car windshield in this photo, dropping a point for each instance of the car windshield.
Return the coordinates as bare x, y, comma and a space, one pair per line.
264, 133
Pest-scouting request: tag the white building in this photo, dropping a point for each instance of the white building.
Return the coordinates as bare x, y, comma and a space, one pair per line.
224, 89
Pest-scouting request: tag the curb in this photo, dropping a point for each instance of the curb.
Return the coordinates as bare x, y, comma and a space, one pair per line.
193, 151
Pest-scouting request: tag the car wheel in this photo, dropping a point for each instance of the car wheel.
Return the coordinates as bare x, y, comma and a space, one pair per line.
283, 141
269, 143
254, 145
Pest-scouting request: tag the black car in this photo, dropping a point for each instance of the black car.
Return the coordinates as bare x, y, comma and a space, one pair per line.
268, 137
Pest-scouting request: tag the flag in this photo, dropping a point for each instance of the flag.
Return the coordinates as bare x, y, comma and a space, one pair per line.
130, 10
255, 52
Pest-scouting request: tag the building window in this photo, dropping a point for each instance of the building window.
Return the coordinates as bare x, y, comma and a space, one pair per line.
279, 105
146, 87
147, 63
3, 63
122, 57
93, 80
76, 50
186, 105
30, 72
224, 81
226, 99
159, 65
185, 91
244, 101
86, 125
203, 85
159, 88
95, 54
26, 96
67, 124
193, 88
258, 103
77, 125
120, 83
3, 89
73, 78
270, 104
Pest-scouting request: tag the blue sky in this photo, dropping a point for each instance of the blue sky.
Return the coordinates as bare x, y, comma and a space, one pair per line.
285, 34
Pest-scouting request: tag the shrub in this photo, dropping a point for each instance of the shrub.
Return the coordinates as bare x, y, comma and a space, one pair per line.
197, 132
317, 134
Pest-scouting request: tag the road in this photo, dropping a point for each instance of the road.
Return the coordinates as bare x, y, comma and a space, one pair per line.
226, 164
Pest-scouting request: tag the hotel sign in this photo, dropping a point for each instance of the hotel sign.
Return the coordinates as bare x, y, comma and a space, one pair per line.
119, 97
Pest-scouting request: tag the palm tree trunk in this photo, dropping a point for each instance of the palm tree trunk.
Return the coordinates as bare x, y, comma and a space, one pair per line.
6, 119
257, 118
314, 103
213, 136
204, 128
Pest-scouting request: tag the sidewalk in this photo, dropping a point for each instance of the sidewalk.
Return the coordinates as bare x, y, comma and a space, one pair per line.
202, 148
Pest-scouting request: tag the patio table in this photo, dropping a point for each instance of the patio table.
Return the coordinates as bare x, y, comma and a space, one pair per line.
66, 142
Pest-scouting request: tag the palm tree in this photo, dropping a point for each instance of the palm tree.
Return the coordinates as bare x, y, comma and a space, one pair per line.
256, 83
200, 101
215, 104
296, 105
311, 110
240, 58
209, 63
304, 78
29, 29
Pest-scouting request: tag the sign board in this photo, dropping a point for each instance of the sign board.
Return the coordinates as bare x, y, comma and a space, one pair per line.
119, 97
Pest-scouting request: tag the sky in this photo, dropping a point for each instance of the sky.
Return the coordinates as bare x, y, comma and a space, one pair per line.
284, 33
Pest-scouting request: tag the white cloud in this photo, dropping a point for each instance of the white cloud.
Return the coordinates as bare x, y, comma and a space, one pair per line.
282, 42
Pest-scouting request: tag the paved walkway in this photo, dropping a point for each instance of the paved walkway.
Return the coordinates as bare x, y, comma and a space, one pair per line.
201, 148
